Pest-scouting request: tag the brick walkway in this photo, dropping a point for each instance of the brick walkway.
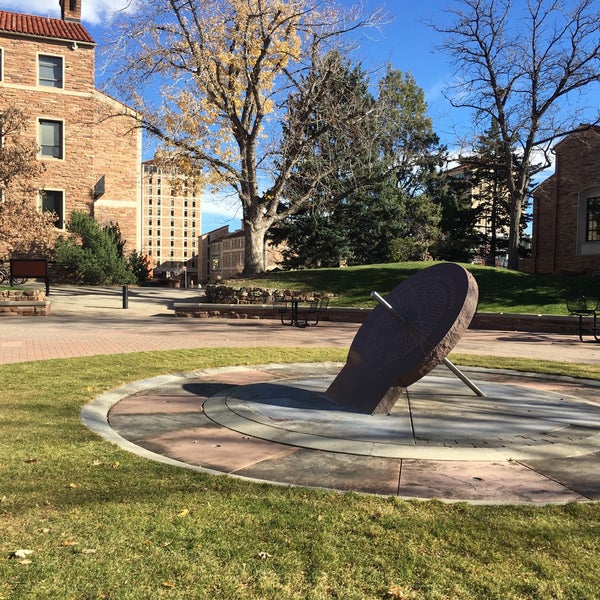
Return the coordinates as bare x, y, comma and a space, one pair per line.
89, 321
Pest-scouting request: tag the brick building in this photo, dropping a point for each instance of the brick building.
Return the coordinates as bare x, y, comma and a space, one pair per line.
222, 254
85, 138
566, 209
216, 251
172, 220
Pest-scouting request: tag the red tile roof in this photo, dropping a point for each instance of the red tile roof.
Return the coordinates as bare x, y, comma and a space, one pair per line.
44, 27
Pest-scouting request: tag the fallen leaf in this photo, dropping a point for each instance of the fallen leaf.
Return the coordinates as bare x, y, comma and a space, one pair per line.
25, 561
22, 553
31, 460
168, 584
89, 551
116, 464
72, 485
69, 543
263, 555
398, 593
97, 463
184, 513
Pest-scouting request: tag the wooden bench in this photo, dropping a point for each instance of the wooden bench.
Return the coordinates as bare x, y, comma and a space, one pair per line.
36, 268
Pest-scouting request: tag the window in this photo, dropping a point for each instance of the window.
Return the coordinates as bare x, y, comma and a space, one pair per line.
592, 228
53, 201
50, 71
588, 222
51, 138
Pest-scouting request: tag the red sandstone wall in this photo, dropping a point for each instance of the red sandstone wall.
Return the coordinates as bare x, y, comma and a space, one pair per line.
93, 144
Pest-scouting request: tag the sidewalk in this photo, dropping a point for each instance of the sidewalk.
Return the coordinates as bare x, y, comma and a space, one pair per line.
87, 321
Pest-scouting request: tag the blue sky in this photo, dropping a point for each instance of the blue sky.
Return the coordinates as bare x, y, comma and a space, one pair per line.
406, 42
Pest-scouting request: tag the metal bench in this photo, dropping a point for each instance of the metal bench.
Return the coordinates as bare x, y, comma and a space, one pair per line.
292, 312
584, 307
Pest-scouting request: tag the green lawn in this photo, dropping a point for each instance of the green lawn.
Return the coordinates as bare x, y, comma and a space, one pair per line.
104, 524
500, 290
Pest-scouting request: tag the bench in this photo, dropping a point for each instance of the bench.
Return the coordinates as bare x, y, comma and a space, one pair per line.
291, 312
584, 307
36, 268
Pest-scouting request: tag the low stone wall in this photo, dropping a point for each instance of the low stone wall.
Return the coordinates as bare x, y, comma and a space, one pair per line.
226, 295
482, 320
28, 303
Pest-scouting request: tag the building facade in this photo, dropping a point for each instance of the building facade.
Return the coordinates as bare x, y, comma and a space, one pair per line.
171, 221
566, 209
481, 195
91, 153
223, 255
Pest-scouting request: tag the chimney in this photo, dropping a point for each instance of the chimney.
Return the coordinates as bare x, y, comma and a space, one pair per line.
70, 10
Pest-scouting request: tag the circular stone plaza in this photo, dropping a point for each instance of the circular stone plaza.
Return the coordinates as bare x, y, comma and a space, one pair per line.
531, 438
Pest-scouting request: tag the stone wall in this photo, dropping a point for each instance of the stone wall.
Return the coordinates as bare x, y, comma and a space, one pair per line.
96, 143
23, 303
223, 294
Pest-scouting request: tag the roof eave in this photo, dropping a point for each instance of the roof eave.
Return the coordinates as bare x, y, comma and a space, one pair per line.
48, 37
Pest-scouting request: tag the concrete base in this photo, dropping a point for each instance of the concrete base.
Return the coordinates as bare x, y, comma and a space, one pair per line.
530, 440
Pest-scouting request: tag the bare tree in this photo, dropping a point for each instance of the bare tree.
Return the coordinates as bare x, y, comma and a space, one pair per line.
227, 71
23, 228
526, 66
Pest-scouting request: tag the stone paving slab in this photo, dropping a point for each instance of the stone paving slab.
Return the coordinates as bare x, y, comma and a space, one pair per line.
485, 481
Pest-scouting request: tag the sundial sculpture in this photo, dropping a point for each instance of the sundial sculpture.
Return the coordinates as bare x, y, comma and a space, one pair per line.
409, 333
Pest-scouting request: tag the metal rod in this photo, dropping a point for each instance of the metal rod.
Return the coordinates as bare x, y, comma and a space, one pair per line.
453, 368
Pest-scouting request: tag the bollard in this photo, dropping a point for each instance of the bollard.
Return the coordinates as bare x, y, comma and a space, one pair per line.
125, 296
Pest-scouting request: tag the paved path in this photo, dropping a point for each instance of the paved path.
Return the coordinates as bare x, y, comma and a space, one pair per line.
90, 321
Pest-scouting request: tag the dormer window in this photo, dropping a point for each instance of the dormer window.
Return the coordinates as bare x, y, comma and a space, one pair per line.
50, 71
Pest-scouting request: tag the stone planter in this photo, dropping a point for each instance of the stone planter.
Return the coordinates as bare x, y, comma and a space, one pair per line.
29, 303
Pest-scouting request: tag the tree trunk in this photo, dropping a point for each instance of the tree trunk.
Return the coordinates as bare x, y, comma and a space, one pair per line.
254, 235
514, 235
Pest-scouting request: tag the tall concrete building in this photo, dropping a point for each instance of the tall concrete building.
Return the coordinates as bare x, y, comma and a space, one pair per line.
171, 220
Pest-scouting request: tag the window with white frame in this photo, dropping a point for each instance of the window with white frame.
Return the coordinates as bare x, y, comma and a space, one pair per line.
592, 219
54, 201
588, 227
50, 73
51, 138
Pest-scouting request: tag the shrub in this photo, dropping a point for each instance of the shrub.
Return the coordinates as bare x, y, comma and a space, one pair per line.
93, 253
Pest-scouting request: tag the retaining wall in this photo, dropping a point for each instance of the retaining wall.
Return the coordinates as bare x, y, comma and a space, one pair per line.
27, 303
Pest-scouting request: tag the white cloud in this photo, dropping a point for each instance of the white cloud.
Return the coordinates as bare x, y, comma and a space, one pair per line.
93, 12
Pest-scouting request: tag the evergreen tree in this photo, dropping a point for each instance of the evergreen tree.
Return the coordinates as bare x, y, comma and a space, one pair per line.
347, 223
487, 178
459, 239
92, 253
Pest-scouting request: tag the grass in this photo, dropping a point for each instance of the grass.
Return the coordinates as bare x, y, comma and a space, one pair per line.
103, 523
500, 290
